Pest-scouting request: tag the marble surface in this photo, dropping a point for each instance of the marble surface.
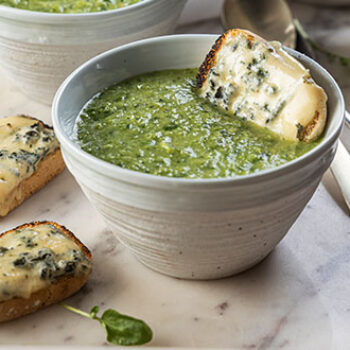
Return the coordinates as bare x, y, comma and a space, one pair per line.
298, 298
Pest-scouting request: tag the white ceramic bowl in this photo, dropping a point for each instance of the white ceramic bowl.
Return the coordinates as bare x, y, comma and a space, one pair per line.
199, 229
38, 50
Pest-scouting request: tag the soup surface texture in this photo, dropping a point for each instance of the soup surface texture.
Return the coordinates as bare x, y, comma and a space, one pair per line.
68, 6
155, 123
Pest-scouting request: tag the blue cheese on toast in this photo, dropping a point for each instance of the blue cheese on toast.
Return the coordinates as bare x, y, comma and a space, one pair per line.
258, 81
25, 145
34, 256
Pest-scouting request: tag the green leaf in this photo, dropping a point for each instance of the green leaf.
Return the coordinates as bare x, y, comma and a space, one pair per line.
125, 330
121, 329
94, 311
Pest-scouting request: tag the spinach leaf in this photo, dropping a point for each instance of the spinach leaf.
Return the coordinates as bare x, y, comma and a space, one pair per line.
125, 330
121, 329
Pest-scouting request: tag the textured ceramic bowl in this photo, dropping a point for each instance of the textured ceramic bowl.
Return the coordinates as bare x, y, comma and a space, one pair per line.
38, 50
199, 229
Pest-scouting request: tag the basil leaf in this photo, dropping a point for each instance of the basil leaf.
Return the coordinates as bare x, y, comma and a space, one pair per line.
125, 330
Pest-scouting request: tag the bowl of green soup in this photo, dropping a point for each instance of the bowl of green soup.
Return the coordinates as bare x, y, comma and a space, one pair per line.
192, 191
41, 42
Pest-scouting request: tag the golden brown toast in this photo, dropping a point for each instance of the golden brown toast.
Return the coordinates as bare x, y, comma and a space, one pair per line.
22, 295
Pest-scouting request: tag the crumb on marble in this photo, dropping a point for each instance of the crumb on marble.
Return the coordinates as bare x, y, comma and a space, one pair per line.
222, 307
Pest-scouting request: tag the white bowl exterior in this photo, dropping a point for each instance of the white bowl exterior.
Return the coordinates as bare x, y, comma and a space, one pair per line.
38, 50
200, 234
200, 229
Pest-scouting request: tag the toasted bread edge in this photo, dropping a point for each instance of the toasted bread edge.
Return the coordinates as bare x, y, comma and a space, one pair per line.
210, 59
47, 169
62, 289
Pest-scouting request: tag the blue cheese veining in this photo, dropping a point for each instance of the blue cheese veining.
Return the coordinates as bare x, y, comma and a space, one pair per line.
24, 142
258, 81
33, 257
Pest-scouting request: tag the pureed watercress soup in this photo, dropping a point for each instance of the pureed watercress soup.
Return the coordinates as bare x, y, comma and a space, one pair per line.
68, 6
156, 124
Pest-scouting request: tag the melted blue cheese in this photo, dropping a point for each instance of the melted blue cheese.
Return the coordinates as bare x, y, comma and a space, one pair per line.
24, 142
258, 81
34, 257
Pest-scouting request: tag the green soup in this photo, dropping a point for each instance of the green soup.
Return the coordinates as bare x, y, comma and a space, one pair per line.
156, 124
68, 6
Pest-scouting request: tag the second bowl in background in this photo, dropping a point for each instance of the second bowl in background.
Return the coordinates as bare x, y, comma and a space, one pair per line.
38, 50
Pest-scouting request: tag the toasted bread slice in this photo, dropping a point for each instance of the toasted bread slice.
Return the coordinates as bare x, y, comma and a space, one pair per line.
41, 264
259, 81
30, 157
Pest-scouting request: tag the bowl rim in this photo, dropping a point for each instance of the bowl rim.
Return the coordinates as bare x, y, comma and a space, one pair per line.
115, 172
28, 15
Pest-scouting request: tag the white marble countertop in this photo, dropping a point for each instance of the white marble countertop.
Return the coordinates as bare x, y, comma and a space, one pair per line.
298, 298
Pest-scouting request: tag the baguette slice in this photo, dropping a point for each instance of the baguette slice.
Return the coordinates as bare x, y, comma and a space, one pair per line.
30, 157
259, 81
41, 264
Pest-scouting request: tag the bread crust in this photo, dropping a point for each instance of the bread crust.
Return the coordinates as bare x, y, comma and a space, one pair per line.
48, 168
58, 290
69, 234
61, 289
210, 59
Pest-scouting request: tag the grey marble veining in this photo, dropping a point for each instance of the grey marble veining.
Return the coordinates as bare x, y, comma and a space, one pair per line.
297, 298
